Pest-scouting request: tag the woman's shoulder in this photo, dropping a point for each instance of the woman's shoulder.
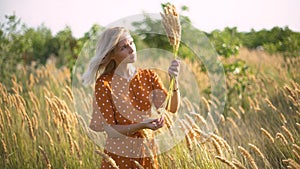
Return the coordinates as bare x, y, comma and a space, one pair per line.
147, 72
103, 79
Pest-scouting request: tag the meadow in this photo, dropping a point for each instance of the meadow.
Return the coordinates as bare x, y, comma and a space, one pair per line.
260, 127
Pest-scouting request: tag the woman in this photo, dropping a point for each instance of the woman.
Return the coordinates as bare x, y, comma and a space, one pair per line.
124, 97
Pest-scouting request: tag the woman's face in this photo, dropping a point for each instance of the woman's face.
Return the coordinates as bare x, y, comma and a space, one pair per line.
125, 51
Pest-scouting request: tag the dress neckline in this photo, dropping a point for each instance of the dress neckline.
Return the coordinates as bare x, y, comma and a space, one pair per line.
130, 78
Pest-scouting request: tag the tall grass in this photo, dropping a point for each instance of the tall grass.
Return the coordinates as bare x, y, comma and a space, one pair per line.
39, 127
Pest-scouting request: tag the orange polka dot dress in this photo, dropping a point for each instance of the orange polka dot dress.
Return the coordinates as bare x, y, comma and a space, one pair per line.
120, 101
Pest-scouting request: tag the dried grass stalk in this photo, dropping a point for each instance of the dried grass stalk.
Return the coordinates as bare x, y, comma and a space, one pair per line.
139, 166
267, 134
108, 159
171, 24
248, 156
45, 157
292, 163
282, 138
228, 163
289, 134
238, 164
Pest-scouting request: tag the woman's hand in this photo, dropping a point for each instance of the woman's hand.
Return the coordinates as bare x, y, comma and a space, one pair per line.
154, 124
174, 68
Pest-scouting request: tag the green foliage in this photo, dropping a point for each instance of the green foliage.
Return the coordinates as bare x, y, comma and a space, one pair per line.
226, 42
276, 40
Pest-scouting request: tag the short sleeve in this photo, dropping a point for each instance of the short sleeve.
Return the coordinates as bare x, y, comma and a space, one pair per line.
159, 90
103, 112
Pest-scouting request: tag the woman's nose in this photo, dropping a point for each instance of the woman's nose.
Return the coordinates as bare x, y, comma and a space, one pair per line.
131, 48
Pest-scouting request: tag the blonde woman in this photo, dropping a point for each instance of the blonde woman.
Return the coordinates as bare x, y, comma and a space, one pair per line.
124, 95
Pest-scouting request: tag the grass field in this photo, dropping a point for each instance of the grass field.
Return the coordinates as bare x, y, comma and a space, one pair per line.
260, 127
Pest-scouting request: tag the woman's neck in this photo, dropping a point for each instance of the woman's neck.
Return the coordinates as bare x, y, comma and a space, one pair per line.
126, 71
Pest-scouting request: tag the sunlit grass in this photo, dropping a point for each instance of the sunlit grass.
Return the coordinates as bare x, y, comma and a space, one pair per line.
39, 127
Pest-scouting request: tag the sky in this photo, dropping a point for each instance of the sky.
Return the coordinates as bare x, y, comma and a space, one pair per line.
206, 15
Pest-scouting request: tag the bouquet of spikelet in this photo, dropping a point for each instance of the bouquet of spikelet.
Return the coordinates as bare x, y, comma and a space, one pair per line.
171, 23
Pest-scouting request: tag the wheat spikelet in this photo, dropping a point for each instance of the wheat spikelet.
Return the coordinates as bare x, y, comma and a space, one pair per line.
35, 102
228, 163
8, 117
150, 151
66, 123
4, 150
77, 151
202, 135
290, 91
232, 122
292, 163
1, 126
206, 103
218, 139
139, 166
68, 92
35, 122
191, 122
217, 146
58, 136
296, 147
235, 112
296, 154
188, 104
241, 109
70, 141
45, 157
267, 134
30, 128
49, 137
15, 139
281, 137
212, 103
293, 100
31, 81
298, 125
289, 134
238, 164
222, 142
252, 105
212, 123
169, 122
256, 108
171, 23
248, 156
256, 149
270, 104
190, 134
222, 119
173, 161
108, 159
283, 118
189, 142
200, 118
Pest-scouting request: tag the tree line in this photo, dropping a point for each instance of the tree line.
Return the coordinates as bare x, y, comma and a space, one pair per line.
20, 44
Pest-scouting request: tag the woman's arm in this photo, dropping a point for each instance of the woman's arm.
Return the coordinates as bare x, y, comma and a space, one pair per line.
175, 99
127, 130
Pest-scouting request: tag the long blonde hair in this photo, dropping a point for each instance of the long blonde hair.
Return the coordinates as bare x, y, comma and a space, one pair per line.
102, 63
